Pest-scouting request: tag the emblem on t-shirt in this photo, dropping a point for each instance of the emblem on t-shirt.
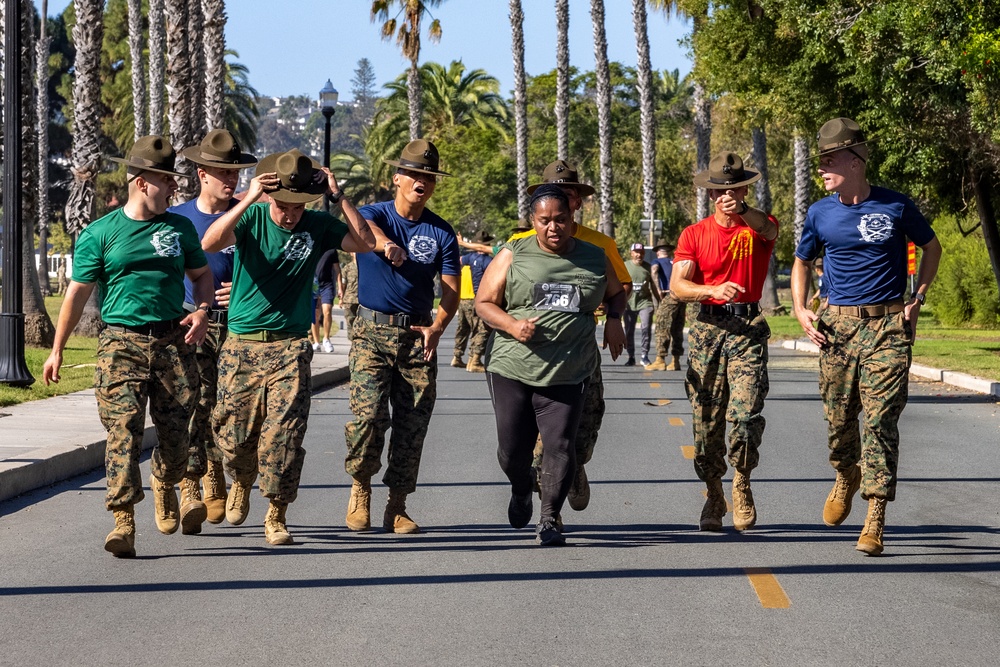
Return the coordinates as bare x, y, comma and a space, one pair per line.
741, 246
875, 227
167, 244
422, 249
298, 247
231, 250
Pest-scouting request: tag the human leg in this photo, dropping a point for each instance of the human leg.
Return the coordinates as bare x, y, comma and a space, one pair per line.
463, 327
628, 321
645, 330
516, 434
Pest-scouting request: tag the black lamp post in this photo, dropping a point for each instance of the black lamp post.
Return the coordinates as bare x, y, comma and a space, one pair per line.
328, 105
13, 370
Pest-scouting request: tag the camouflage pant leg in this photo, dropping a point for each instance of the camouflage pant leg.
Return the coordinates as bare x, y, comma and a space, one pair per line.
202, 447
413, 395
262, 412
350, 314
463, 325
480, 336
677, 321
865, 366
669, 321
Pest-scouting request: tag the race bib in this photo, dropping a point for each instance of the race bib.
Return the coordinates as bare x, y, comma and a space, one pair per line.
557, 296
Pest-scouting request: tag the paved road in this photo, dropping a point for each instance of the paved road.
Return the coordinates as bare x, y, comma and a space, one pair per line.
636, 585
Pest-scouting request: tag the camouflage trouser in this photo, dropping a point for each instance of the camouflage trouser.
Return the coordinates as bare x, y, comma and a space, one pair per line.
465, 324
133, 370
591, 417
727, 381
262, 412
644, 316
388, 368
203, 448
350, 314
480, 336
669, 321
865, 366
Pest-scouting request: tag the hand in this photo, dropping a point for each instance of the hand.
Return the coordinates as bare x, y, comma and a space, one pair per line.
728, 204
911, 312
222, 295
394, 253
614, 337
50, 371
262, 183
431, 336
198, 323
806, 320
331, 180
524, 330
727, 291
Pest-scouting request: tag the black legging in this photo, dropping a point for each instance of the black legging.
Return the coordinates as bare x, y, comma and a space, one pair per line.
522, 412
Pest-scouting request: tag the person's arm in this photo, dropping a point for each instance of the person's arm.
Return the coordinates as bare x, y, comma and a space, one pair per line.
447, 307
204, 291
615, 300
685, 290
361, 237
221, 234
654, 271
489, 300
477, 247
69, 316
930, 257
801, 272
755, 218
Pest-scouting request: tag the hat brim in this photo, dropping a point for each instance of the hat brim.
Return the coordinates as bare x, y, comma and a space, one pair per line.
315, 190
409, 167
121, 160
193, 154
702, 180
582, 189
834, 149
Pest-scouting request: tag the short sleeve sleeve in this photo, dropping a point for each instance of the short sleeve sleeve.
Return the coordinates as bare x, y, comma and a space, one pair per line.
809, 245
88, 260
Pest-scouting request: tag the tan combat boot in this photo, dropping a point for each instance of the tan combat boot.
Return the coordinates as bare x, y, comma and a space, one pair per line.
870, 541
676, 365
120, 542
457, 362
658, 364
359, 506
579, 492
214, 482
744, 512
275, 531
164, 506
838, 503
193, 510
715, 506
475, 364
238, 503
396, 520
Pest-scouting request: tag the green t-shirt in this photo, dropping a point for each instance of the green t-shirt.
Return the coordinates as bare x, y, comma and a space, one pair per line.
642, 281
274, 269
138, 265
563, 291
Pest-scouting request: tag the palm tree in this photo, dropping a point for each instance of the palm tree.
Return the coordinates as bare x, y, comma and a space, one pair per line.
356, 175
802, 175
520, 107
157, 47
215, 63
43, 47
179, 76
562, 79
603, 72
240, 113
647, 122
762, 193
408, 39
196, 83
135, 35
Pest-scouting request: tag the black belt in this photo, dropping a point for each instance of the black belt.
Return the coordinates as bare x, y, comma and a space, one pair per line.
155, 329
747, 311
219, 316
401, 320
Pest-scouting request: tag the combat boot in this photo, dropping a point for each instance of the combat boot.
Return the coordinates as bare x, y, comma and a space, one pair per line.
715, 506
838, 503
275, 531
214, 482
658, 364
870, 541
457, 362
238, 503
120, 542
193, 510
475, 364
676, 365
396, 520
359, 506
579, 491
744, 512
164, 506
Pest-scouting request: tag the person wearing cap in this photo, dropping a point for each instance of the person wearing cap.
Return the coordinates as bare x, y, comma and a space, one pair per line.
564, 175
722, 262
866, 331
464, 317
393, 354
219, 160
137, 257
328, 277
670, 312
262, 411
640, 304
477, 262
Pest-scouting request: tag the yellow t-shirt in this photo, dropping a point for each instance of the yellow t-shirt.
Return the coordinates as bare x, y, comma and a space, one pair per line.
467, 292
601, 241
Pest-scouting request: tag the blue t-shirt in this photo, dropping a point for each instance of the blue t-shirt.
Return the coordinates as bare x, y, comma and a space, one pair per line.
477, 261
666, 266
431, 248
219, 263
865, 245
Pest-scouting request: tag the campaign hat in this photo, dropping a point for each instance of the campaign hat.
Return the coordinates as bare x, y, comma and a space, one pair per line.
561, 172
419, 155
839, 134
662, 243
482, 236
219, 148
151, 153
297, 177
725, 172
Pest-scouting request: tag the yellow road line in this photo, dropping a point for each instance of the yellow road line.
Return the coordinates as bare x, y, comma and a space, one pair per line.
676, 421
769, 591
647, 374
654, 385
664, 401
688, 452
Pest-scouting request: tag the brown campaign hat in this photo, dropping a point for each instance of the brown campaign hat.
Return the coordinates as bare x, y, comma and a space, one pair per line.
725, 172
297, 173
219, 148
482, 236
839, 134
561, 172
151, 153
419, 155
662, 243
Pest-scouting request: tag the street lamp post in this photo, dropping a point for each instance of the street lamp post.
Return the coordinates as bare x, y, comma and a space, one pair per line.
328, 105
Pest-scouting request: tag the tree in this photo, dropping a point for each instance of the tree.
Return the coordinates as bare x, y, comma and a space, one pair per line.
196, 81
408, 39
135, 41
603, 73
43, 47
644, 77
520, 107
157, 47
180, 73
240, 113
215, 63
363, 90
562, 79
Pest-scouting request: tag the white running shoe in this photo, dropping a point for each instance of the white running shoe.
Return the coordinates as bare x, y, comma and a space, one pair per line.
315, 346
327, 346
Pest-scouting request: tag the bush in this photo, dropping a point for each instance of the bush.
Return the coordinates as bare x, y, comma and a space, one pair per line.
965, 291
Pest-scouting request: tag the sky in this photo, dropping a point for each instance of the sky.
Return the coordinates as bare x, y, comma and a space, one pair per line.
295, 50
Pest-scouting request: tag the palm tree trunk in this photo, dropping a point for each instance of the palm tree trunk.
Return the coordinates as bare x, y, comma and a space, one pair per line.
179, 76
196, 84
215, 63
602, 69
703, 141
413, 99
157, 37
135, 35
762, 193
647, 121
801, 161
562, 79
520, 107
42, 108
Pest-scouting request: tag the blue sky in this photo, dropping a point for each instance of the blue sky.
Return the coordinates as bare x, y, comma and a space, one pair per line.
295, 50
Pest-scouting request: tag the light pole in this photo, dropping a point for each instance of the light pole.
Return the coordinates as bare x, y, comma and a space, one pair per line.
328, 105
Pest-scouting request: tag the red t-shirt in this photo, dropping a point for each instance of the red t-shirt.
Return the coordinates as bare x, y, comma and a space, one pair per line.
722, 254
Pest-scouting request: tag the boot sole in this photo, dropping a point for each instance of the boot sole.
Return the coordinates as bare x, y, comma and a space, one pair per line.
358, 528
193, 517
402, 531
710, 526
279, 539
871, 549
119, 547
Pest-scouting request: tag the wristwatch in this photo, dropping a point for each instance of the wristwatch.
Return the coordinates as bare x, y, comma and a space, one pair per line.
204, 307
745, 208
335, 197
920, 297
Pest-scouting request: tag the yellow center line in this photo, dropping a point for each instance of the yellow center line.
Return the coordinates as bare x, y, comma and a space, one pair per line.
654, 385
676, 421
662, 401
769, 591
688, 452
647, 374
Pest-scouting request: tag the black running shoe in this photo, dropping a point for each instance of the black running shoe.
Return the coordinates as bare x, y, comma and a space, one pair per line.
519, 510
548, 534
